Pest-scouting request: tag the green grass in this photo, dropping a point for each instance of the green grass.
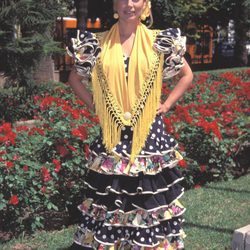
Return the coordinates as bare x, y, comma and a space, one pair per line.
213, 213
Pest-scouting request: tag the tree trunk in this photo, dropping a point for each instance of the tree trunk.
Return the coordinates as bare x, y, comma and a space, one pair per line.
81, 13
241, 28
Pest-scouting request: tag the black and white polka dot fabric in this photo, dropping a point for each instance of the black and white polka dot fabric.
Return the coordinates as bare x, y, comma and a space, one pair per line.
158, 141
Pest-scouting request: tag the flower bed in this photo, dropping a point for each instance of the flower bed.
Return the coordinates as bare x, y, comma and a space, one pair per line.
42, 166
211, 124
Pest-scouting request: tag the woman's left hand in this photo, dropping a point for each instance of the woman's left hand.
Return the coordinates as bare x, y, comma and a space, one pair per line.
163, 108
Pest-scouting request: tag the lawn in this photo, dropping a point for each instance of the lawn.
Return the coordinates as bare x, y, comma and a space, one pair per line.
213, 212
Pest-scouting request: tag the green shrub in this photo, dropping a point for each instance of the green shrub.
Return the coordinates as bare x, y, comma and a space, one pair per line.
42, 167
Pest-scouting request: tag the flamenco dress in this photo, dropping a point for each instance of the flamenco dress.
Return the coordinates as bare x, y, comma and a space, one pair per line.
139, 210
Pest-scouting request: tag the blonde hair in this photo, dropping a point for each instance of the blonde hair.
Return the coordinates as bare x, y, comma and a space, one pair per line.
146, 13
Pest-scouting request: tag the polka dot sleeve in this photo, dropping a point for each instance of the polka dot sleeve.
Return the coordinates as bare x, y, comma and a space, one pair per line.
173, 46
85, 50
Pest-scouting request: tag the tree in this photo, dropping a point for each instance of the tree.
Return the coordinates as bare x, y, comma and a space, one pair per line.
172, 13
178, 13
26, 36
242, 26
81, 13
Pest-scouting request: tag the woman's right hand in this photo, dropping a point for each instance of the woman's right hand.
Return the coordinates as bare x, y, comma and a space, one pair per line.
163, 108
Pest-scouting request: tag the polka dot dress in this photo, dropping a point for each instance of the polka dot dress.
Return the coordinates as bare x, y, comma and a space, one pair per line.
133, 211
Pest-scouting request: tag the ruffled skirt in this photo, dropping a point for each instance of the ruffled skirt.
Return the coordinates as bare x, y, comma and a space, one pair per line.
135, 209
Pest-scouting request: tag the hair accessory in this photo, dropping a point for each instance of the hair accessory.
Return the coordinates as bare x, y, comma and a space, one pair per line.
147, 11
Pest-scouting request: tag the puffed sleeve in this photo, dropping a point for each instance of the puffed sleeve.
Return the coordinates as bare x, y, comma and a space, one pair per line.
84, 49
173, 46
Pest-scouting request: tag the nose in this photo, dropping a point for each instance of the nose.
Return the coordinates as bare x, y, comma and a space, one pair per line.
130, 2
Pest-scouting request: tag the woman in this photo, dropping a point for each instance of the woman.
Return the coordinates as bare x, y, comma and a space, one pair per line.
132, 187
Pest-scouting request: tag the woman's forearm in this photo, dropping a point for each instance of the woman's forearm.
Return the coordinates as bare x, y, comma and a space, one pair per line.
178, 91
180, 88
79, 88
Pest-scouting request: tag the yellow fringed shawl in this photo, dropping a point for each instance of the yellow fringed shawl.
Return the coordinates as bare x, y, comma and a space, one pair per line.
119, 102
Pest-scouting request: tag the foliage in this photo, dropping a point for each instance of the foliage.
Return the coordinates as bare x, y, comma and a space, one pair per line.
26, 35
42, 167
18, 104
179, 13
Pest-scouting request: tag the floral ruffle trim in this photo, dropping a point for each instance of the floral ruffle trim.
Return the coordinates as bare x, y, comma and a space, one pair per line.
92, 232
173, 46
135, 218
150, 165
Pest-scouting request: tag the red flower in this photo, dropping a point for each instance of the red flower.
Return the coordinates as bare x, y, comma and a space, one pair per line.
25, 168
202, 78
80, 132
183, 163
57, 165
46, 174
9, 164
169, 125
183, 113
95, 119
22, 128
36, 130
197, 186
86, 150
5, 128
62, 150
16, 157
203, 168
71, 148
210, 127
36, 98
79, 102
204, 111
2, 152
85, 113
75, 114
43, 189
47, 101
8, 136
14, 200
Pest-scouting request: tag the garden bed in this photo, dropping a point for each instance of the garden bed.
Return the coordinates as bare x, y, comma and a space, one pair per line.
42, 167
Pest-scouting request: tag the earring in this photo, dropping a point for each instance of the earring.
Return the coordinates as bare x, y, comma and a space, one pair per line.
115, 15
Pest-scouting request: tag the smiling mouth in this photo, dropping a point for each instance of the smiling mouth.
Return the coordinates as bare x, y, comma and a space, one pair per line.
129, 12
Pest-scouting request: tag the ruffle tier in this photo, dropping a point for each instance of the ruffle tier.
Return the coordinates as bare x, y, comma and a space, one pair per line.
104, 184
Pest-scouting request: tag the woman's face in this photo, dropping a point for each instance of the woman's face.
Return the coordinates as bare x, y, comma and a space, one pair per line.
129, 9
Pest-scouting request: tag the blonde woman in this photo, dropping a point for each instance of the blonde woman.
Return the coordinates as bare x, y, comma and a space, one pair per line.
132, 185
